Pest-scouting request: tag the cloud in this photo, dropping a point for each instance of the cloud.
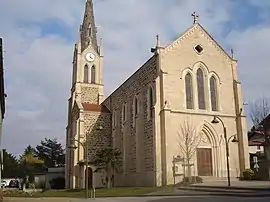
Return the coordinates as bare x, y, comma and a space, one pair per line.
39, 37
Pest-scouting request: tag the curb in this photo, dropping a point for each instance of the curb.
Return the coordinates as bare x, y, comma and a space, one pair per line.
258, 195
230, 188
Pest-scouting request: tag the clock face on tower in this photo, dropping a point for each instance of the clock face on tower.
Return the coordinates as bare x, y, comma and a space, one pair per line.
90, 57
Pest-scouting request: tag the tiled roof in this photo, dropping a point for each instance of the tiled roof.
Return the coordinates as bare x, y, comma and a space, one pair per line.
95, 108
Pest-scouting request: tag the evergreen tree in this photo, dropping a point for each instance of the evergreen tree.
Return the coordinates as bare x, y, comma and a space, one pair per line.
51, 152
10, 165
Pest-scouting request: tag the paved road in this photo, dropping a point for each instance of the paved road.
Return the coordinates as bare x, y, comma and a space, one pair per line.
148, 199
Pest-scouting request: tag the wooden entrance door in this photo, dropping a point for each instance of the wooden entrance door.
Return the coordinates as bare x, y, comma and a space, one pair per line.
204, 162
90, 177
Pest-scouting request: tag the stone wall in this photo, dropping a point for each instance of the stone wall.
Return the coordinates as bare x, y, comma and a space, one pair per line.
89, 94
135, 140
98, 139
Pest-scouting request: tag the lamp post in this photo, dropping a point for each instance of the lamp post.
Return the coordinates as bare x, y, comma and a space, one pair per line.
215, 121
85, 148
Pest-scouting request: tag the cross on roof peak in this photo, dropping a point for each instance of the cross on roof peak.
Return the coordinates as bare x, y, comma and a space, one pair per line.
195, 17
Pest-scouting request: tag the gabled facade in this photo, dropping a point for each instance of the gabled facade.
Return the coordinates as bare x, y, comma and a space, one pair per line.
191, 80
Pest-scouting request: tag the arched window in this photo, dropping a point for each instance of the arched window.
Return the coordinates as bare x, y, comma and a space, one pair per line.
150, 103
200, 88
124, 113
93, 74
135, 110
136, 106
189, 91
114, 119
85, 74
213, 93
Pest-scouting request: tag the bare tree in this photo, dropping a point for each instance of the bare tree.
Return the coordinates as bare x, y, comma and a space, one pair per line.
188, 141
259, 109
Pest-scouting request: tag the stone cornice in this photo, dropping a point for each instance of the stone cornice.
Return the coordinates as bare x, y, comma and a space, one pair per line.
204, 113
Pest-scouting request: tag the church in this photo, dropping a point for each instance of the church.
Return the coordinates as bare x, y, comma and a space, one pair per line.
192, 80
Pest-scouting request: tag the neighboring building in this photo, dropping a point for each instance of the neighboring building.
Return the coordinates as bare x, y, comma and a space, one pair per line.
2, 89
192, 78
50, 174
257, 136
256, 141
259, 146
2, 101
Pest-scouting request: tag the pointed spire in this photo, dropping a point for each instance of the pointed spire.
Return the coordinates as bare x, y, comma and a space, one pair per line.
88, 28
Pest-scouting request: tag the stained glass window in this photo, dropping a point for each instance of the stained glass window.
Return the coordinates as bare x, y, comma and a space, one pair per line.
189, 91
213, 93
200, 88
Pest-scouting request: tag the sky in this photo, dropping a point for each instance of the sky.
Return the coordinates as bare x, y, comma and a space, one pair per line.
39, 37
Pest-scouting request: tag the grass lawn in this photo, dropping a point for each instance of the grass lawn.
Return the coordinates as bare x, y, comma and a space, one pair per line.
116, 191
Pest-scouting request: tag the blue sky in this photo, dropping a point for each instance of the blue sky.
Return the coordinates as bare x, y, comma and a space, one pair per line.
39, 36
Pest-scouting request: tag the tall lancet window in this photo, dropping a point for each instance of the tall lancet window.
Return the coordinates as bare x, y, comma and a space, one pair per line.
213, 93
136, 106
93, 74
85, 74
189, 91
150, 103
200, 88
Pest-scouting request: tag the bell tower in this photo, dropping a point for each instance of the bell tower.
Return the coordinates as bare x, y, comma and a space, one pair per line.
87, 84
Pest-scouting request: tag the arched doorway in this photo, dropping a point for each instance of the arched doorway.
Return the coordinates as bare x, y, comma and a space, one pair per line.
90, 177
206, 153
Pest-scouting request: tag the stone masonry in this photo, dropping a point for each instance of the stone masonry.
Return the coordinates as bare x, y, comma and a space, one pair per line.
136, 141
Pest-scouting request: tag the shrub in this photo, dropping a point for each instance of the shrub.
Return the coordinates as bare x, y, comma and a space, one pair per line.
192, 179
31, 186
58, 183
15, 193
248, 174
40, 185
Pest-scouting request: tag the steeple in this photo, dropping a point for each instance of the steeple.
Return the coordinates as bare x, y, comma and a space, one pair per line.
88, 29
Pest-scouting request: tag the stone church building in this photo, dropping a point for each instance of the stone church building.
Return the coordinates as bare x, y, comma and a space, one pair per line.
190, 80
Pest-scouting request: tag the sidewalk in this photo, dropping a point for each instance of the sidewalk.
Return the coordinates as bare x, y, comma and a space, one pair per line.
237, 188
236, 184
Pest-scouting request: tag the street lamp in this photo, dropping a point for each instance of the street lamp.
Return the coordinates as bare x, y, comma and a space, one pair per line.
234, 138
85, 148
215, 121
